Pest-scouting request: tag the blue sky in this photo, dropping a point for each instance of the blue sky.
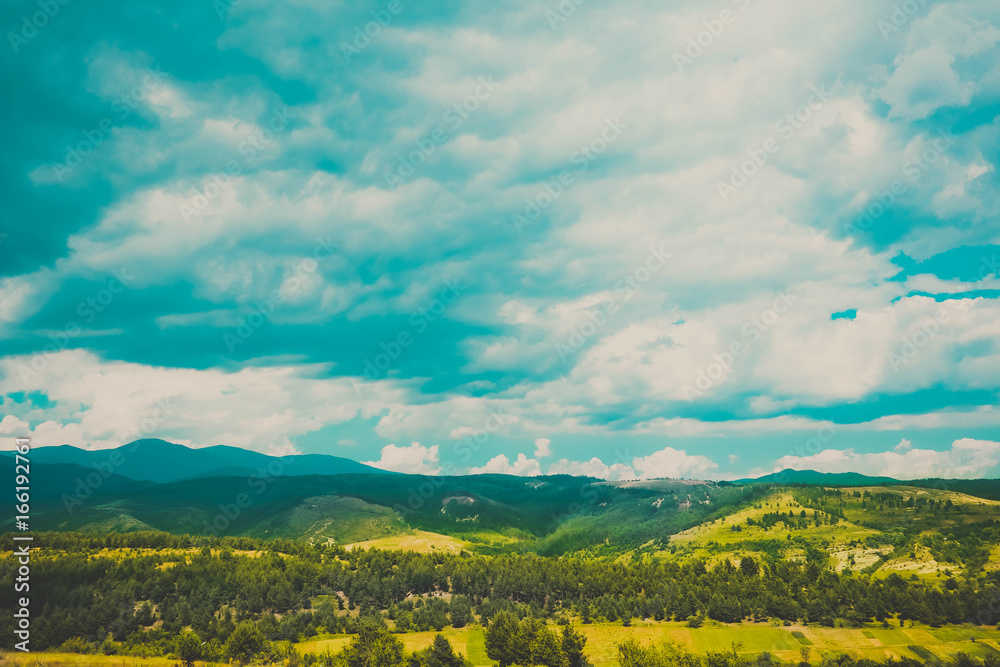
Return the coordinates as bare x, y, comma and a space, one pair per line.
704, 240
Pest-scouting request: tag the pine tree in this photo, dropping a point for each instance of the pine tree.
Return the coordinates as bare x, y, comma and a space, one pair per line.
188, 647
572, 645
500, 636
245, 642
441, 654
547, 650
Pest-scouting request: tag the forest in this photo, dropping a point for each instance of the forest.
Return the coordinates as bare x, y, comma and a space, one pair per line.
149, 593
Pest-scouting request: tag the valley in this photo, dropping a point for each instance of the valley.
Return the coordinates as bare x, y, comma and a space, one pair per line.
310, 563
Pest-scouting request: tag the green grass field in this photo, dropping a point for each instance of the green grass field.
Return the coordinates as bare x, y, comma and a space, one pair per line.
415, 540
603, 639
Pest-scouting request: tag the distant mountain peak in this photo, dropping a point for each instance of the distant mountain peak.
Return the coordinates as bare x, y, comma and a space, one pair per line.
157, 460
792, 476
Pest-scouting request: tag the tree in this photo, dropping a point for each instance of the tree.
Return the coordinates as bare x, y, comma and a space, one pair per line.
440, 654
188, 647
500, 636
749, 567
633, 654
245, 642
547, 650
461, 611
374, 646
572, 645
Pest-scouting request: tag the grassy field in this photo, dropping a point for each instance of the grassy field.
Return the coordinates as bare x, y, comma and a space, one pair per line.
414, 540
463, 641
78, 660
846, 542
603, 638
755, 639
716, 540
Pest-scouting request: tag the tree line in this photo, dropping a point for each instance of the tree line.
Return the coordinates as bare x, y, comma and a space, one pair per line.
138, 599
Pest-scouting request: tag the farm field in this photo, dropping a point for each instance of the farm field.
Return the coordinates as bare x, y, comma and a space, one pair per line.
603, 638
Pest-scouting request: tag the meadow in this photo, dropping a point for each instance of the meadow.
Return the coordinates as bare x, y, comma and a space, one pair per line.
783, 643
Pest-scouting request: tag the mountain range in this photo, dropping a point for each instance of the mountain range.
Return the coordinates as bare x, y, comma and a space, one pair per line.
789, 476
227, 491
154, 460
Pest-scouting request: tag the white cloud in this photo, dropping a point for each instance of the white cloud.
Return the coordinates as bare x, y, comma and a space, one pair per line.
415, 459
501, 465
924, 82
670, 462
98, 404
967, 458
654, 186
11, 425
927, 78
542, 448
286, 448
595, 467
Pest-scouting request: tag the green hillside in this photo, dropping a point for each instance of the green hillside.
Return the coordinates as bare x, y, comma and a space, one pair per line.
877, 529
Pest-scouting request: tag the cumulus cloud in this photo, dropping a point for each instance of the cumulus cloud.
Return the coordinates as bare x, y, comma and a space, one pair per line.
415, 459
926, 77
285, 448
501, 465
577, 277
670, 462
99, 404
967, 458
542, 448
11, 425
595, 467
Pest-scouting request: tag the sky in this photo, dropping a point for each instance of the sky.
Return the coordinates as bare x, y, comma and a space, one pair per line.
703, 239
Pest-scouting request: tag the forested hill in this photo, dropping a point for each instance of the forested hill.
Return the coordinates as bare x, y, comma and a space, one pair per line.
909, 527
549, 515
143, 589
155, 460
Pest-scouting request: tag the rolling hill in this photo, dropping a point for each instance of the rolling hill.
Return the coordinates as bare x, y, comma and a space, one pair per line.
930, 528
790, 476
154, 460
